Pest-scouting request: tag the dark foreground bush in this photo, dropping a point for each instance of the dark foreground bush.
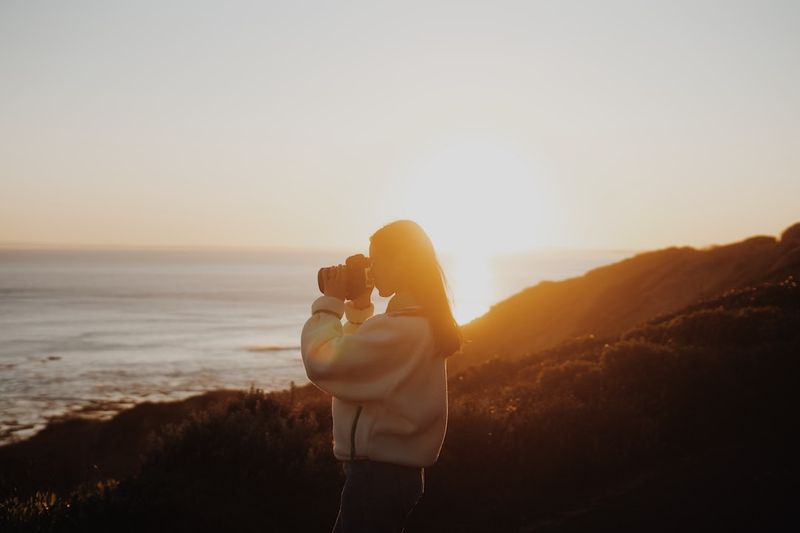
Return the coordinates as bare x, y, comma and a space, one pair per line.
254, 463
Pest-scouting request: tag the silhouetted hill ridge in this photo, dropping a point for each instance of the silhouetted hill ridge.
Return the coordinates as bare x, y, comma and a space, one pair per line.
611, 298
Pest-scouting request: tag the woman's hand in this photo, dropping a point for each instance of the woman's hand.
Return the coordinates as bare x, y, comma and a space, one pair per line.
336, 282
364, 300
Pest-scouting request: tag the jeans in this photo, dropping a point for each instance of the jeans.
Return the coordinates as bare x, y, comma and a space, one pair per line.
377, 497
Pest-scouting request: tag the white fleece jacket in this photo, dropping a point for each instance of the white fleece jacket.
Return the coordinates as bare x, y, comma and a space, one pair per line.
389, 390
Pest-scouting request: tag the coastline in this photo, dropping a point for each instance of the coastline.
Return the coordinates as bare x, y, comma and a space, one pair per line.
99, 411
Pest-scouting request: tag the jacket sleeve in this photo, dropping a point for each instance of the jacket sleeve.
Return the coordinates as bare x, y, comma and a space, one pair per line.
356, 316
358, 366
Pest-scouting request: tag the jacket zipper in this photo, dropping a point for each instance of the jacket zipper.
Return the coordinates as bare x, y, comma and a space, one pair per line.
353, 434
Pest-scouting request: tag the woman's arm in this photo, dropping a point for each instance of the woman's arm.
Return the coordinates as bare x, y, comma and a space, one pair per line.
357, 313
359, 366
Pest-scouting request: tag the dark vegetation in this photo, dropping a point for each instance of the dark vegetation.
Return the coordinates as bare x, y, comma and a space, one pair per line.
681, 422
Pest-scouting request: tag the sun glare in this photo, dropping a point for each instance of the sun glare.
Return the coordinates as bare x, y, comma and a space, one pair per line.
472, 284
477, 197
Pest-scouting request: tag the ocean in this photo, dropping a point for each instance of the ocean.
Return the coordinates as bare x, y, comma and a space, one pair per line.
95, 331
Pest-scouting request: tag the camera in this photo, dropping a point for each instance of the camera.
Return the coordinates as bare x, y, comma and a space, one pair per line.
359, 278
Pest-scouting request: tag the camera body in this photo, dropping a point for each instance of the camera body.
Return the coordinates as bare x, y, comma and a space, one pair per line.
359, 278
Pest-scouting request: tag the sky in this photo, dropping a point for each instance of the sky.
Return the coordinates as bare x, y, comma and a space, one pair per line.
498, 126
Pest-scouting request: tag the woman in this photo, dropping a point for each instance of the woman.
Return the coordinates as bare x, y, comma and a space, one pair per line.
387, 375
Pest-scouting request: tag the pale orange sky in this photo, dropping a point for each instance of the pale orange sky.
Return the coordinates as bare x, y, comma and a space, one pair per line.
498, 126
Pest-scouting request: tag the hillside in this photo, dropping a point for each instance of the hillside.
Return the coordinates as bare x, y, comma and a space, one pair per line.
682, 422
612, 298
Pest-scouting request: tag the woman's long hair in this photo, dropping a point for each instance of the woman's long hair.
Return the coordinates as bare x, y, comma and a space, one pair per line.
425, 279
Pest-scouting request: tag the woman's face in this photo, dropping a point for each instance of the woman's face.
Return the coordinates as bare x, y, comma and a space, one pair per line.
385, 272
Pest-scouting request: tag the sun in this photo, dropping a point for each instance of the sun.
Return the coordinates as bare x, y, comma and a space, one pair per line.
479, 194
471, 282
476, 198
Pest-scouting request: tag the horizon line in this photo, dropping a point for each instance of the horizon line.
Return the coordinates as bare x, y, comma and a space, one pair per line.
50, 246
